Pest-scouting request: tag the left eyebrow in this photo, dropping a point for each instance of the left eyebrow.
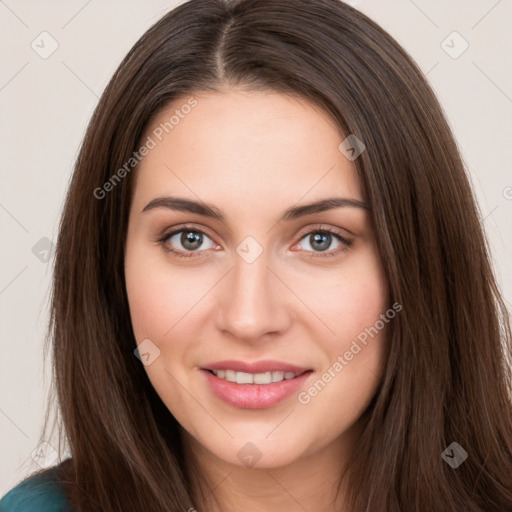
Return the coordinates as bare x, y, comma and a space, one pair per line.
184, 205
292, 213
322, 206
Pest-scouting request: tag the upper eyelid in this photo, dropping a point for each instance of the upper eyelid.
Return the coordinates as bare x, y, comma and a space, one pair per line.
322, 227
168, 233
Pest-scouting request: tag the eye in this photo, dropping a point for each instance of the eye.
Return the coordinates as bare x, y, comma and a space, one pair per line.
188, 242
321, 240
185, 242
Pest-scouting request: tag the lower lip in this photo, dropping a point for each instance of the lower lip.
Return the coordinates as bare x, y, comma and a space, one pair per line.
254, 396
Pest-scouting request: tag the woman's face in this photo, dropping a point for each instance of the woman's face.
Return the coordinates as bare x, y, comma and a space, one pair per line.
257, 289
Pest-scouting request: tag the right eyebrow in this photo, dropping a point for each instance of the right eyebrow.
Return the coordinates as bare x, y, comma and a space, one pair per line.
184, 205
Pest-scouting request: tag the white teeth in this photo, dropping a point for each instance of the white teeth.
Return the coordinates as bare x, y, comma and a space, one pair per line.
244, 378
277, 376
262, 378
254, 378
230, 375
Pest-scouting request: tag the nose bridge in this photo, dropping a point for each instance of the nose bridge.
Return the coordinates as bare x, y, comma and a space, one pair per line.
250, 303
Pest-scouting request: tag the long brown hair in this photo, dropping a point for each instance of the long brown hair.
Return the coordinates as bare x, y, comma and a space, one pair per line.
448, 374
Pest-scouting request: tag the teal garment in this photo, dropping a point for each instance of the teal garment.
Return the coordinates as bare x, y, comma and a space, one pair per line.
40, 493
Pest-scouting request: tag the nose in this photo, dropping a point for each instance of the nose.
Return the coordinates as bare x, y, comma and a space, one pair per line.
252, 302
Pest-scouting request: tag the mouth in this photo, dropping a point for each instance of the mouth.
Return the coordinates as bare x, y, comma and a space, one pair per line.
255, 385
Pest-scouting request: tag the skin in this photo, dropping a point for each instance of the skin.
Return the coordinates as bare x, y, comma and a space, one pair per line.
253, 154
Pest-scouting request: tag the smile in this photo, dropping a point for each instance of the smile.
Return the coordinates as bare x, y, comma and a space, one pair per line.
261, 385
254, 378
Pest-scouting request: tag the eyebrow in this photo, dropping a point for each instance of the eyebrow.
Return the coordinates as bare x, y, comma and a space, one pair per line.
292, 213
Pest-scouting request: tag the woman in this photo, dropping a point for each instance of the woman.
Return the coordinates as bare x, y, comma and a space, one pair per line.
272, 290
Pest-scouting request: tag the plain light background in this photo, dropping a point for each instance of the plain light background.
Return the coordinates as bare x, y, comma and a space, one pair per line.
46, 104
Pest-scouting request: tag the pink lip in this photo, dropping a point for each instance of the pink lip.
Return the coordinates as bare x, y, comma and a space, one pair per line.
255, 366
254, 396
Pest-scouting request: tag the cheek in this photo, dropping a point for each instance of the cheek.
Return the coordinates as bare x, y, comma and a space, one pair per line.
350, 305
158, 299
158, 294
355, 356
349, 300
150, 304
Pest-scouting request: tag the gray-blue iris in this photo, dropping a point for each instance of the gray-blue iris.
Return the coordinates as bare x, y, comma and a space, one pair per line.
323, 239
191, 237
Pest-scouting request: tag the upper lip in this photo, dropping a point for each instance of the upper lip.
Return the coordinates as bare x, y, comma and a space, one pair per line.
255, 366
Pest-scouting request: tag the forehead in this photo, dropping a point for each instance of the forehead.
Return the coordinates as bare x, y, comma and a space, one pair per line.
245, 147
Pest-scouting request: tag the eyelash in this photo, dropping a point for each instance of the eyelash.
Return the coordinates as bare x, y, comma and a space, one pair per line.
345, 243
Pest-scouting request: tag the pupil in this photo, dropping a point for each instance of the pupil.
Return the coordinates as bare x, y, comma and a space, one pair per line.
191, 240
323, 240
